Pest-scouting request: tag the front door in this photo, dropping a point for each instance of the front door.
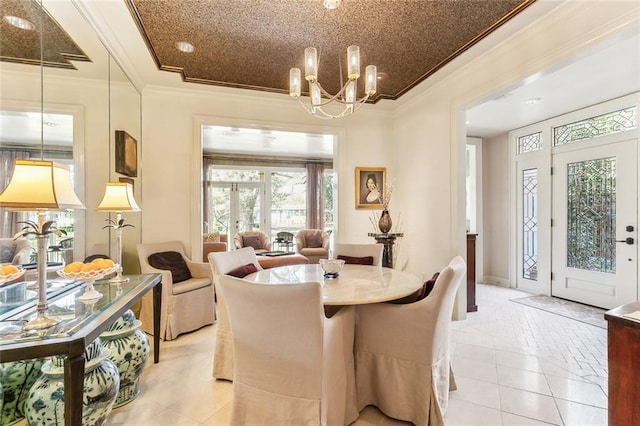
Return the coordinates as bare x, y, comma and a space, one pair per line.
594, 229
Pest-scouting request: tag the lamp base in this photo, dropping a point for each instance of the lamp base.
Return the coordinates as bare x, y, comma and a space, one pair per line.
41, 323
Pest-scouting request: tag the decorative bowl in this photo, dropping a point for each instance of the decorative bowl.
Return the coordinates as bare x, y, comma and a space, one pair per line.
331, 267
12, 275
88, 275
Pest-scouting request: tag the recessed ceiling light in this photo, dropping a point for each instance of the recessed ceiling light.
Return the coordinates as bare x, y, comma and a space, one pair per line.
532, 101
185, 47
23, 24
331, 4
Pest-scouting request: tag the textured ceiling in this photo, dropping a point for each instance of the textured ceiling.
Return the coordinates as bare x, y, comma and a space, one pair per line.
253, 43
23, 46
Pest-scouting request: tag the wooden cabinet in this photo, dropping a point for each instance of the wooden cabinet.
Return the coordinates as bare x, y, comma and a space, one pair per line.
623, 347
471, 273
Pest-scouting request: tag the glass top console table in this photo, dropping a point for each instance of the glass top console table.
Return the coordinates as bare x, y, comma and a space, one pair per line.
81, 322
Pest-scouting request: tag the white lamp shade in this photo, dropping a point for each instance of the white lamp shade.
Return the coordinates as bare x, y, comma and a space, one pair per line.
40, 185
118, 197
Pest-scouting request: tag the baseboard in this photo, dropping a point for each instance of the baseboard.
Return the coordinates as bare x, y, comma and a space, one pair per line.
502, 282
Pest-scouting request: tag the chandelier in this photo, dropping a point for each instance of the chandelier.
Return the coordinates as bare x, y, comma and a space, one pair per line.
320, 97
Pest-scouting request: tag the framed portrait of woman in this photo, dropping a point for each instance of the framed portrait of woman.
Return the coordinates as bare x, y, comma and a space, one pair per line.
370, 184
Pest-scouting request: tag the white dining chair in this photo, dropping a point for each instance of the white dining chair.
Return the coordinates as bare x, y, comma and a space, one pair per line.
402, 353
290, 363
359, 251
222, 263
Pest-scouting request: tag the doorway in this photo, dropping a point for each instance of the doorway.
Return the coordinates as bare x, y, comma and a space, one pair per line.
576, 205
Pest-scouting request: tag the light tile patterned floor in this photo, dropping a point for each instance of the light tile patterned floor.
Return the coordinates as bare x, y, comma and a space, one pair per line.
514, 365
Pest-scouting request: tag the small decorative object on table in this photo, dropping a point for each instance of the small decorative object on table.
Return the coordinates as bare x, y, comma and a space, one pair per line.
89, 273
384, 224
10, 272
331, 267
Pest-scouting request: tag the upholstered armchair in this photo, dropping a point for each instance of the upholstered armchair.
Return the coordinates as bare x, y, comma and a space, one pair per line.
213, 243
313, 244
256, 239
187, 290
14, 251
302, 374
363, 254
402, 353
222, 263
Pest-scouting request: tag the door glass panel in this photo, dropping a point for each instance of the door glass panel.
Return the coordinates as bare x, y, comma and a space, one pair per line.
605, 124
249, 209
288, 201
530, 224
530, 143
219, 210
591, 215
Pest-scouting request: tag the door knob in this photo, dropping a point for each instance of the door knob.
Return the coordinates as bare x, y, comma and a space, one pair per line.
627, 240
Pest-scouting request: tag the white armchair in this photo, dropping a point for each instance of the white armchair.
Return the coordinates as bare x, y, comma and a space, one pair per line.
402, 353
313, 244
221, 264
186, 305
372, 250
16, 251
293, 366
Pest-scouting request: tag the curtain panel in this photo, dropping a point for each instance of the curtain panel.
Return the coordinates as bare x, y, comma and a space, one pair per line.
9, 220
315, 196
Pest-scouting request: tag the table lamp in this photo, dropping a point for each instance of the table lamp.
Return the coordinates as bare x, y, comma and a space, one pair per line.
40, 186
118, 197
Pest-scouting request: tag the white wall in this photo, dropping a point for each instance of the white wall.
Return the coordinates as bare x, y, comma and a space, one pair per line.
495, 154
172, 155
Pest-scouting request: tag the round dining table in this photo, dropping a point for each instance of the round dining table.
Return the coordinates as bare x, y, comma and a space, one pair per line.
355, 284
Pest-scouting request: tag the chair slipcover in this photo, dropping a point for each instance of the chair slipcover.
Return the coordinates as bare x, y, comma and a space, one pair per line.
187, 305
221, 263
265, 243
314, 254
402, 353
21, 249
360, 250
292, 366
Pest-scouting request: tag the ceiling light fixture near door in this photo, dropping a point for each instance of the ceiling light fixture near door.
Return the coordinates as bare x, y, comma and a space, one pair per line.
346, 96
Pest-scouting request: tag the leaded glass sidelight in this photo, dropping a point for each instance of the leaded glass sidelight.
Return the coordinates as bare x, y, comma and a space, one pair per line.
591, 215
605, 124
529, 143
530, 224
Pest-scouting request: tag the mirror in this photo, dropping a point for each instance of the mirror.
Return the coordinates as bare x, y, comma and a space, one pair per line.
84, 102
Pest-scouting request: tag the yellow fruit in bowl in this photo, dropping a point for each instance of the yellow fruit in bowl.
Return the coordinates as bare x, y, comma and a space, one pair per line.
105, 263
89, 267
9, 269
98, 260
73, 267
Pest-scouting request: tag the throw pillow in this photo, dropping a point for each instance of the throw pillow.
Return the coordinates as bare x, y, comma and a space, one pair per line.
7, 251
313, 240
214, 237
252, 241
351, 260
171, 261
243, 271
420, 293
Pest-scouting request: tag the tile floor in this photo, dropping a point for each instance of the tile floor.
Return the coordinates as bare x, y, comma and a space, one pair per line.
514, 365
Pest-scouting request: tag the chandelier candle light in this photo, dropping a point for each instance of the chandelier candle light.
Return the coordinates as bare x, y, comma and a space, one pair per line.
118, 197
40, 186
346, 96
